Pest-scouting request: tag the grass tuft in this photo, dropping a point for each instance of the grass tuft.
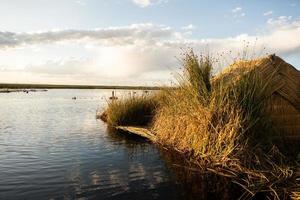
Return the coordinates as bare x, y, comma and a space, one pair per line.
134, 111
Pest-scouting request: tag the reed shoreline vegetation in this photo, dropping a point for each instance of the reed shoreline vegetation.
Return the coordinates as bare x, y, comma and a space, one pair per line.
219, 125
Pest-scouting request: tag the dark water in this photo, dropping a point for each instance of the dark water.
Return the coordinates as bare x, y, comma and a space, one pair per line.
52, 147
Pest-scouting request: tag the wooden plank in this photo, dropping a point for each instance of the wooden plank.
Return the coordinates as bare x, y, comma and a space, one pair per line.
140, 131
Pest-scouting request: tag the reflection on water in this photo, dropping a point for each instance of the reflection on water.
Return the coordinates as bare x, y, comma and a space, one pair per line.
52, 147
196, 184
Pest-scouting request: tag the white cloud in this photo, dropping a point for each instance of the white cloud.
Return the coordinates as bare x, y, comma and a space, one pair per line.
242, 15
238, 16
237, 13
130, 51
237, 9
113, 62
143, 35
189, 27
280, 21
81, 2
67, 66
142, 3
108, 36
146, 3
270, 12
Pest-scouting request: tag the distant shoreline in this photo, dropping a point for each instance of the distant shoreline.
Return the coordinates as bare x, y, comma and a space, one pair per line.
53, 86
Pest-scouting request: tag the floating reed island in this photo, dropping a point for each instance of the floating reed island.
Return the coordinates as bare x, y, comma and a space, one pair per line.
243, 123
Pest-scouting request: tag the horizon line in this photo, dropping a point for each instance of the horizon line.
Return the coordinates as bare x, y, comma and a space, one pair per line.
75, 86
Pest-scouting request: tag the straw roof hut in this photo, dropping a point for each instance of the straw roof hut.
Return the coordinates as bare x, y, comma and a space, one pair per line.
283, 107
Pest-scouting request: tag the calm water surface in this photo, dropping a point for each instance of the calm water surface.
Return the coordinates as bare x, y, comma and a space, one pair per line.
52, 147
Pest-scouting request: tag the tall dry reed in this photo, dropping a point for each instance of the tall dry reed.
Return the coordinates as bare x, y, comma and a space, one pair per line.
221, 125
134, 110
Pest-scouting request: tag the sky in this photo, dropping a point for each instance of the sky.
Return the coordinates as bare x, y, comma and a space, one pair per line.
137, 42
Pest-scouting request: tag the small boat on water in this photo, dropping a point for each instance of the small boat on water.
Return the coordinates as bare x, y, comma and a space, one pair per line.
113, 97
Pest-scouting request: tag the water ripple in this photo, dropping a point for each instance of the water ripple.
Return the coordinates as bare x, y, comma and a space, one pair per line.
52, 147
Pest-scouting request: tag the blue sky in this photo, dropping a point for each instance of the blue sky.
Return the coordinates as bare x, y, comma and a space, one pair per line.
112, 41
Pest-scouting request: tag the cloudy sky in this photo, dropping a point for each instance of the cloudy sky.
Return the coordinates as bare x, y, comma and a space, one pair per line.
136, 42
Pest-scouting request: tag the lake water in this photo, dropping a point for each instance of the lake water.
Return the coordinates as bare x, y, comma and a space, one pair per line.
52, 147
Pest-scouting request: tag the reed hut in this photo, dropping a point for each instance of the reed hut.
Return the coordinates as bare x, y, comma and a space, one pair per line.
283, 107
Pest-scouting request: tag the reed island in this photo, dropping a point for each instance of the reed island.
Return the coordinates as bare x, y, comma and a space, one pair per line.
242, 123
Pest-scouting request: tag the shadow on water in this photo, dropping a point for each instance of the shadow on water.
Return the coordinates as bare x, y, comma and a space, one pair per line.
196, 184
130, 139
142, 175
189, 181
134, 145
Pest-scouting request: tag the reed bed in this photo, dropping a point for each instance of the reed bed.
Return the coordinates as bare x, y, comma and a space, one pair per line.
134, 110
220, 125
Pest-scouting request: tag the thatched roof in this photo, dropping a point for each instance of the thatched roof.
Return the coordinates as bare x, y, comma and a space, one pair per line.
285, 78
285, 94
